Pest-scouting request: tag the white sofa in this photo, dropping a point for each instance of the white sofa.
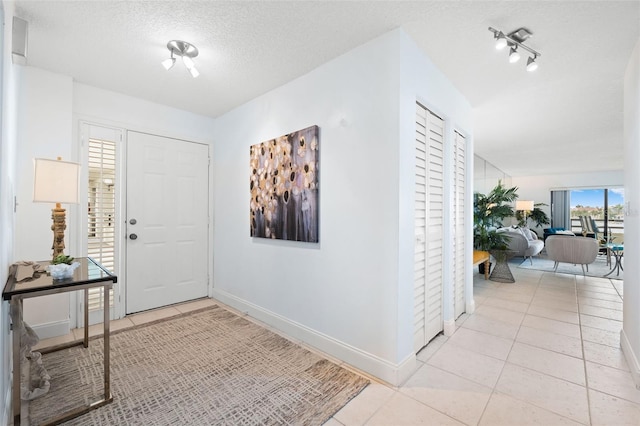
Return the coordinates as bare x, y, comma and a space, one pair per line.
523, 242
577, 250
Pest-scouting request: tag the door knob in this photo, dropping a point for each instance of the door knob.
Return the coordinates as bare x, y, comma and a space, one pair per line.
133, 236
133, 221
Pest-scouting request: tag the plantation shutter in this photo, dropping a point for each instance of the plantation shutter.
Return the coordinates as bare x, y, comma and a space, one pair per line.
429, 226
101, 212
459, 194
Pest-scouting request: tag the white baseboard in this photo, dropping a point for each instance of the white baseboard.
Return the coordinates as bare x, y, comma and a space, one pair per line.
394, 374
449, 327
52, 329
471, 307
632, 358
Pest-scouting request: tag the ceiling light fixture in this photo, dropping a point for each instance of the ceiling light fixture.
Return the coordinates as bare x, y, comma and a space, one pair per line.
187, 51
515, 40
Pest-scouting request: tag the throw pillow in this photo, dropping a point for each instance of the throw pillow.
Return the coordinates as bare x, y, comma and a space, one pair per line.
527, 233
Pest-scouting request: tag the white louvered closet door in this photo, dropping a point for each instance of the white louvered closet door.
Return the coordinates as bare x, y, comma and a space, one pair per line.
429, 226
459, 194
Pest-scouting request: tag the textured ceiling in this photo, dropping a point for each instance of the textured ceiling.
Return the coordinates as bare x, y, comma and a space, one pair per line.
565, 117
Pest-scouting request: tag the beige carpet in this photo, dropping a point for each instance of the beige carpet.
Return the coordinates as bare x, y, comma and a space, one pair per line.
210, 367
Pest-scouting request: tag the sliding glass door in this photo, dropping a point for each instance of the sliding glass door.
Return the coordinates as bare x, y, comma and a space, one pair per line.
604, 205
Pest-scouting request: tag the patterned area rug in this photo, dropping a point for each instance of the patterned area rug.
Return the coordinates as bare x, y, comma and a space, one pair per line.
209, 367
599, 268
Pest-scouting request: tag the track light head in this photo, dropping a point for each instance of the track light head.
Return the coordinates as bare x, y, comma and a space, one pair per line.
532, 65
501, 41
514, 56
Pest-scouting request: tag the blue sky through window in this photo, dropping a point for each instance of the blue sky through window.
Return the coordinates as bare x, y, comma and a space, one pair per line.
595, 197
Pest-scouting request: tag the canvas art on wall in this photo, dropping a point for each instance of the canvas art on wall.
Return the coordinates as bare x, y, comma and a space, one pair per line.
284, 187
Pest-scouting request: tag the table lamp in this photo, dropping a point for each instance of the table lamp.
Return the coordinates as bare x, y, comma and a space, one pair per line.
56, 181
524, 206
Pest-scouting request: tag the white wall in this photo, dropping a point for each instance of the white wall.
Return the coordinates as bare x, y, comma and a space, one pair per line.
347, 295
117, 110
630, 336
344, 287
8, 143
44, 131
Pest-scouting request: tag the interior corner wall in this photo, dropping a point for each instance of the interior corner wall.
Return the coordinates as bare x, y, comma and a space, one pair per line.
347, 294
630, 336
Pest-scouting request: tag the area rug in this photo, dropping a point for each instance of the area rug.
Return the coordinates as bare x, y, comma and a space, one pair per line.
599, 268
210, 367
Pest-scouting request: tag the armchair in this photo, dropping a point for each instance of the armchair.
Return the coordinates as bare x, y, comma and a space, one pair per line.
576, 250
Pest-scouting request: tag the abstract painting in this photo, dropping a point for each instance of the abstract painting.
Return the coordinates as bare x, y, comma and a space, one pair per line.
284, 187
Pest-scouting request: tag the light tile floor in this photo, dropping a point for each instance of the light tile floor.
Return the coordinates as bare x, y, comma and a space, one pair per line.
542, 351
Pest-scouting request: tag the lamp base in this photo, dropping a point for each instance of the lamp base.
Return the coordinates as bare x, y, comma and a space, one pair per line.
59, 225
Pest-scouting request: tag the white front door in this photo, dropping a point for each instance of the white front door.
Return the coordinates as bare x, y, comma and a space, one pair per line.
166, 221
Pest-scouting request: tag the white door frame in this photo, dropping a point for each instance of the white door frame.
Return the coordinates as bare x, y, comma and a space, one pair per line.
77, 298
79, 232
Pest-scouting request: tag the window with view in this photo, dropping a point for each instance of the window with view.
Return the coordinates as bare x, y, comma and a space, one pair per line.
605, 206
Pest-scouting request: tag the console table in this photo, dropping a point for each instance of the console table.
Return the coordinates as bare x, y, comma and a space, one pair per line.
479, 257
90, 274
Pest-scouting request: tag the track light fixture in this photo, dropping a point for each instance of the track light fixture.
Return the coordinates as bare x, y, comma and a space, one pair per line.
515, 40
187, 51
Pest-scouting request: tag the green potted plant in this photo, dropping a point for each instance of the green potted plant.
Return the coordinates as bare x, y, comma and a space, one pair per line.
537, 216
488, 213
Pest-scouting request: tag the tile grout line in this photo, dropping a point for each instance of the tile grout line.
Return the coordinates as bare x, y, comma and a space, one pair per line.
493, 389
584, 357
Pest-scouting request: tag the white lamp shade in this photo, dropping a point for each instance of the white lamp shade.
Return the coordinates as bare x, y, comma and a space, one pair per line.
55, 181
168, 63
524, 205
514, 56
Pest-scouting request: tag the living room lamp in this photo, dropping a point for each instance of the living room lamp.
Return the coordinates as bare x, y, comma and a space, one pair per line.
524, 206
56, 181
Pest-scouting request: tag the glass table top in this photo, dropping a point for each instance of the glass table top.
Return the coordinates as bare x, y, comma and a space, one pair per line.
88, 272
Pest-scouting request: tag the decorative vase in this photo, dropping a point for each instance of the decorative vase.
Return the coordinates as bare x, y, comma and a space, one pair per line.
62, 271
